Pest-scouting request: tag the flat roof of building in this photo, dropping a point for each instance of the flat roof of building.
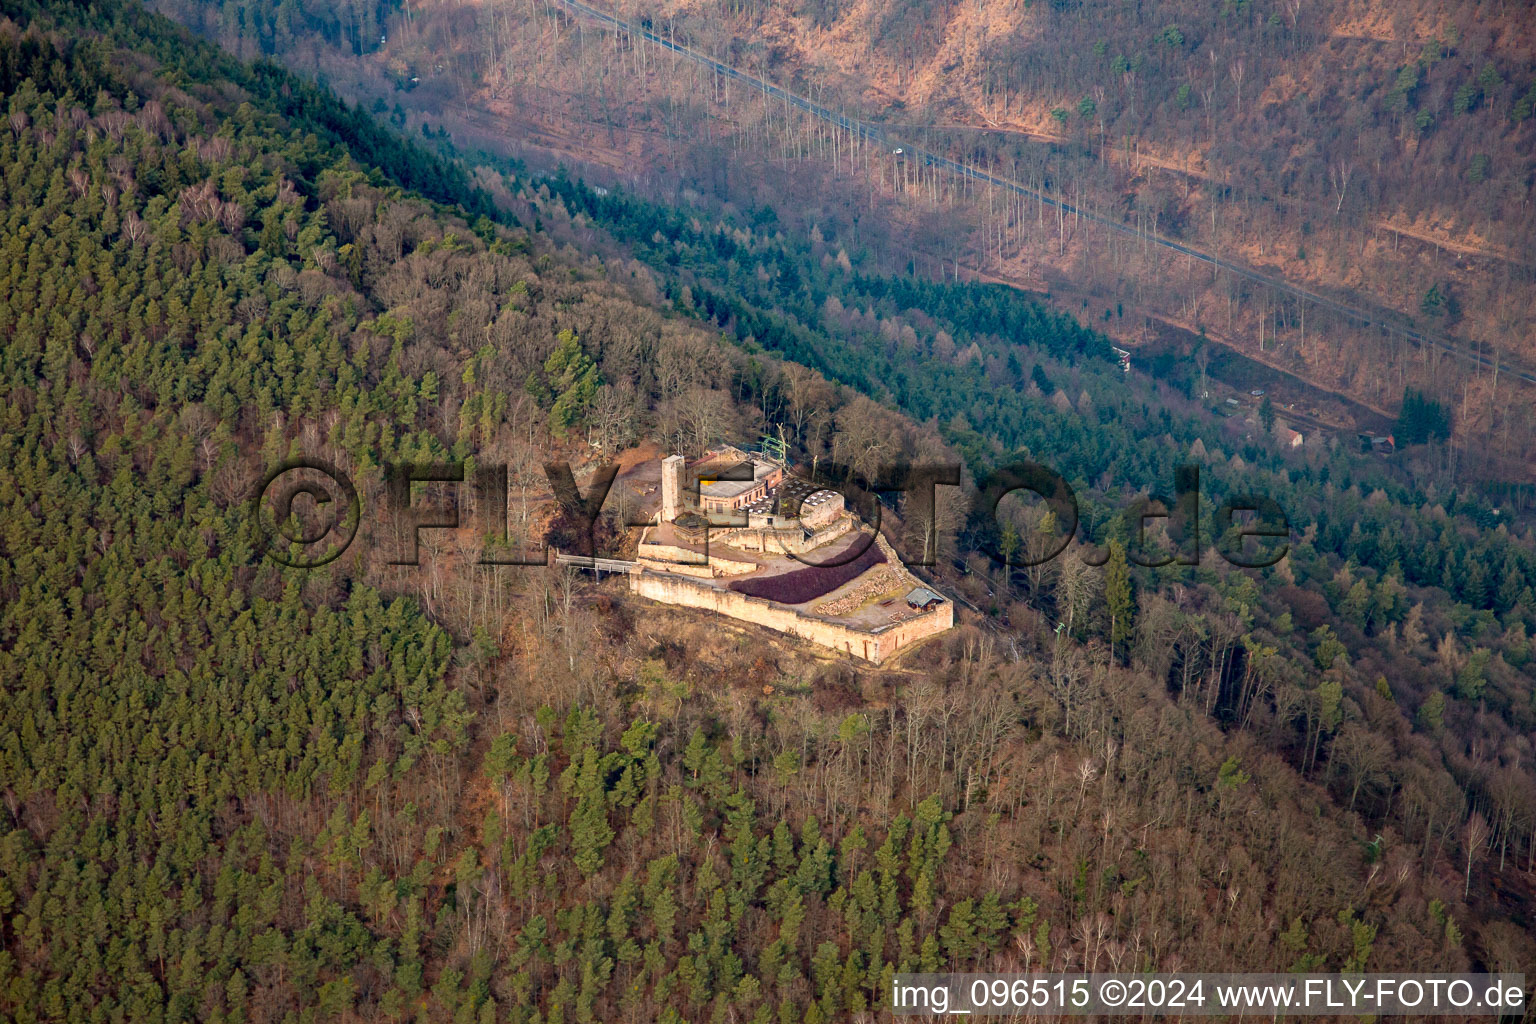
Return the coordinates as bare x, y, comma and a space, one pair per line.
731, 488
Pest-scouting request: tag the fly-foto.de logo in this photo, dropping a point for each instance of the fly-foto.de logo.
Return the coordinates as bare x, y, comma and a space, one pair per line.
307, 512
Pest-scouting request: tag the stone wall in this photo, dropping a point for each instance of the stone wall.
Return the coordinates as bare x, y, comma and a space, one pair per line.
925, 624
871, 645
820, 515
701, 571
691, 561
783, 542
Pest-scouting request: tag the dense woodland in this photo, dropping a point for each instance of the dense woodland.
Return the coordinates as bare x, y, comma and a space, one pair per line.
235, 791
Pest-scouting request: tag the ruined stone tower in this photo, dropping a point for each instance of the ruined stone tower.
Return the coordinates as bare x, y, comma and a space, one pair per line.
672, 475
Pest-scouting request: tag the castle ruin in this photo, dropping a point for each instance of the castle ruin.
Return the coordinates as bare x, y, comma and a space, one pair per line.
737, 535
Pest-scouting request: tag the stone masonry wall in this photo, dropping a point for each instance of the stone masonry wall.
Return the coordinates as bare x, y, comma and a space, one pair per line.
871, 646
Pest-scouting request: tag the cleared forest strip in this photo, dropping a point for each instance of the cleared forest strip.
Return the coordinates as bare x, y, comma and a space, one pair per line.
1147, 157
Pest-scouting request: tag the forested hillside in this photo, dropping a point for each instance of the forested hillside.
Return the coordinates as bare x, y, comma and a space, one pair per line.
1384, 150
1364, 170
234, 791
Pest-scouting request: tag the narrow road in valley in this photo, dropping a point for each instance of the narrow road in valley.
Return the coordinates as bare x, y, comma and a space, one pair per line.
877, 133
